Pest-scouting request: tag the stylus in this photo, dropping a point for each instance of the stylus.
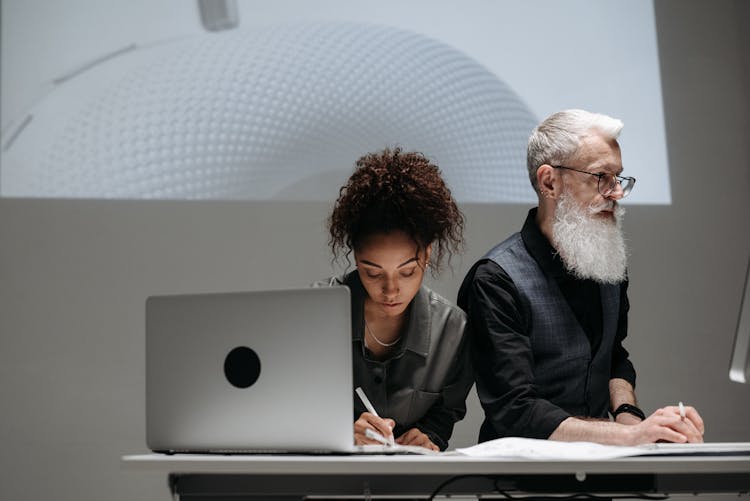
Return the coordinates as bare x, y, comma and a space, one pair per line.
370, 433
368, 405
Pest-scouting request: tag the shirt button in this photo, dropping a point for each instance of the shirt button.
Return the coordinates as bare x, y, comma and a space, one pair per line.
378, 379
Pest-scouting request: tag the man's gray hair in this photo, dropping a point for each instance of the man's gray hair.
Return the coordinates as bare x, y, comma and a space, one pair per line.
556, 140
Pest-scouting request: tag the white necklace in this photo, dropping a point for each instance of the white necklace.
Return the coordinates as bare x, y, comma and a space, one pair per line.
381, 343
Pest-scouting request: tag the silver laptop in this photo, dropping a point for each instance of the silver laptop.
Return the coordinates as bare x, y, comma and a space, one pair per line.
267, 371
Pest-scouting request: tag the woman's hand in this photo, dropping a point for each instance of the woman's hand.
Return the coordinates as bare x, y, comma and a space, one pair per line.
384, 426
416, 437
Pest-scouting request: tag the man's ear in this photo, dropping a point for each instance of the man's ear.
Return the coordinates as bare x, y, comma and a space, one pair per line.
547, 181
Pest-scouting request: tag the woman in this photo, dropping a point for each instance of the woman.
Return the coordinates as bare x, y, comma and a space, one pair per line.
410, 346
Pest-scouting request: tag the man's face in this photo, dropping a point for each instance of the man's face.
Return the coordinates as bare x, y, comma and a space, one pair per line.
596, 156
586, 228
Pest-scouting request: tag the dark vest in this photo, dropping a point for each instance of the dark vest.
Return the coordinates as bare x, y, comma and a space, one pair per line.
565, 372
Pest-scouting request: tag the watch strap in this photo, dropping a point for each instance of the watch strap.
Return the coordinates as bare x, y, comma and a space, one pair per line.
630, 409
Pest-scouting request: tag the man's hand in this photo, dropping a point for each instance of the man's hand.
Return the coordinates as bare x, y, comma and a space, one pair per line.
380, 425
416, 437
664, 425
667, 425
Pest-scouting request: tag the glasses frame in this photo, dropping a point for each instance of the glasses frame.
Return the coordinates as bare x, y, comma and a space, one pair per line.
618, 179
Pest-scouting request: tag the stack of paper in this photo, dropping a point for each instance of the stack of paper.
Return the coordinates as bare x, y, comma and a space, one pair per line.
529, 448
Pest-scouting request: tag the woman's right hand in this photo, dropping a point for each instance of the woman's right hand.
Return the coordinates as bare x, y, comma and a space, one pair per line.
384, 426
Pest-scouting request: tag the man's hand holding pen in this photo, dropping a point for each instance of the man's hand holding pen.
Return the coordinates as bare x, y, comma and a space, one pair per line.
678, 424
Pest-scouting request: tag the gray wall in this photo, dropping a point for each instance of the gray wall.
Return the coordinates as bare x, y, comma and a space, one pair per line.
74, 275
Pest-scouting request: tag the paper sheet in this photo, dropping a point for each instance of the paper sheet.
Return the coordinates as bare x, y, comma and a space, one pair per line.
529, 448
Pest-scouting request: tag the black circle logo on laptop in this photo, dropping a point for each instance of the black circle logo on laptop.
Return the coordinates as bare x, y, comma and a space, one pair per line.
242, 367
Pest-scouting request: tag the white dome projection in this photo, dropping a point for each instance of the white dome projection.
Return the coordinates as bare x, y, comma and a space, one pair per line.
279, 113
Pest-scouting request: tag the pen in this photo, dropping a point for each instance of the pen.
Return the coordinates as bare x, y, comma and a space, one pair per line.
368, 405
369, 433
682, 411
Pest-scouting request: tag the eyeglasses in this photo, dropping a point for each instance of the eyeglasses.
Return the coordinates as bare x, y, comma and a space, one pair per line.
607, 182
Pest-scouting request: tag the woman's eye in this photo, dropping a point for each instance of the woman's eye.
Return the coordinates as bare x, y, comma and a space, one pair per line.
407, 273
371, 275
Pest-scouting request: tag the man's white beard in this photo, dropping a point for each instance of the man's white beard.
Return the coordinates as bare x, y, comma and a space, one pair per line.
590, 247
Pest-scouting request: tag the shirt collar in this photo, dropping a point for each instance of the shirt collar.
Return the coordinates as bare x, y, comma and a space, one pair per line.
418, 329
417, 336
540, 248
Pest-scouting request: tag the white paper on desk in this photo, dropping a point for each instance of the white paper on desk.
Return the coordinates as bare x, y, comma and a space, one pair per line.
529, 448
722, 448
395, 449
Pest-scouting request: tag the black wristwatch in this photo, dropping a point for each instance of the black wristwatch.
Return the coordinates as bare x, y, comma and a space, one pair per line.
630, 409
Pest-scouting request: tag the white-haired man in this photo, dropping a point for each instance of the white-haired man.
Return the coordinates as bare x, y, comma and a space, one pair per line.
549, 307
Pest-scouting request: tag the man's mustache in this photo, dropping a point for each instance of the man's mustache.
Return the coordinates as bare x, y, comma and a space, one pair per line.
609, 205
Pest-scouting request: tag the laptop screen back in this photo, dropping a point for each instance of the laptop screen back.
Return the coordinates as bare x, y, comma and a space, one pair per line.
249, 371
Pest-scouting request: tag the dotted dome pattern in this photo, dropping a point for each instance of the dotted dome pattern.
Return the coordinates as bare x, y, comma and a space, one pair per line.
279, 113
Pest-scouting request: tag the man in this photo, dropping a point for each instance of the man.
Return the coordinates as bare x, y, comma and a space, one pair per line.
549, 307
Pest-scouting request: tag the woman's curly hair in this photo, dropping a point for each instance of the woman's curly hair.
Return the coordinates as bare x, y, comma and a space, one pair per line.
394, 190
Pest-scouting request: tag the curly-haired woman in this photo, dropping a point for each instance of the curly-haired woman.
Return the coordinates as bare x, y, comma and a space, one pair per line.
410, 346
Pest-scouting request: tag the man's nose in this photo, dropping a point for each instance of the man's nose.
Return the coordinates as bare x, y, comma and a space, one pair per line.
617, 192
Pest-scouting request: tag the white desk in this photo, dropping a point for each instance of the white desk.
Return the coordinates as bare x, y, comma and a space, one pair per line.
203, 477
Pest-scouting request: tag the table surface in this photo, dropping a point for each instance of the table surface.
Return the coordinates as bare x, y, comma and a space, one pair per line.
225, 477
427, 465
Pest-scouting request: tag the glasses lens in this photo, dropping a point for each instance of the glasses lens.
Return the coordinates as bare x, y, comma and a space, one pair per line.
607, 183
627, 185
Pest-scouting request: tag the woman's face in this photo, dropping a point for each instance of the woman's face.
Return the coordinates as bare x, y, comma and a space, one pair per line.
391, 270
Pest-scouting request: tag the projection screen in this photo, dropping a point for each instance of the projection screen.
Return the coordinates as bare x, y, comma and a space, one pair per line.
251, 100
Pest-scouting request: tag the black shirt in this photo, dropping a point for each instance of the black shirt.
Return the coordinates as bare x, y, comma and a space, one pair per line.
492, 311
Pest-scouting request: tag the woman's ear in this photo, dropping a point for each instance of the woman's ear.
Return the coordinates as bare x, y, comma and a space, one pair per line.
427, 254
